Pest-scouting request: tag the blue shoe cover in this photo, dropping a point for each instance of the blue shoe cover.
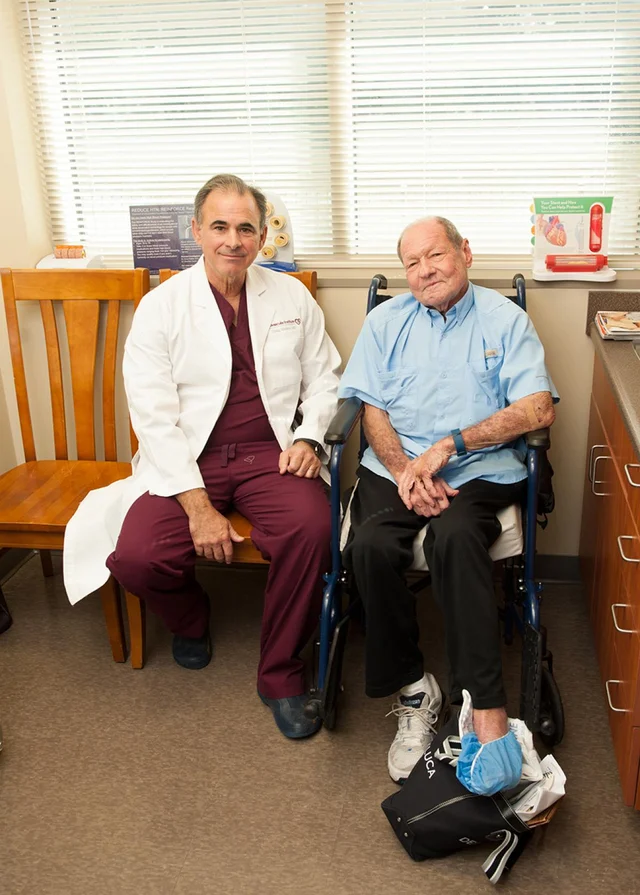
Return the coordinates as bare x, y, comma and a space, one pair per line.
488, 768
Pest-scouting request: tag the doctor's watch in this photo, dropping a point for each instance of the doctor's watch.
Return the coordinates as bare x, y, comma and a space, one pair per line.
317, 447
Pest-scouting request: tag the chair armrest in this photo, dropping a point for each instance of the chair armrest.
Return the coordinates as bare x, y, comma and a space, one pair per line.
344, 421
539, 439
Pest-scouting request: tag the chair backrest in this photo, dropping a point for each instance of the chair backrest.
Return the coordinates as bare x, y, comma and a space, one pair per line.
81, 293
308, 277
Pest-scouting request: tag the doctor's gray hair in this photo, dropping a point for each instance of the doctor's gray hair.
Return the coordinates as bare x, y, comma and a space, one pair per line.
450, 231
229, 183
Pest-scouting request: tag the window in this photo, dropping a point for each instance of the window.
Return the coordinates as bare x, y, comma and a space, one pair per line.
362, 114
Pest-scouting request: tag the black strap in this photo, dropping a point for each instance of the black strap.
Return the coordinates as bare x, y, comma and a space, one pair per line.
506, 854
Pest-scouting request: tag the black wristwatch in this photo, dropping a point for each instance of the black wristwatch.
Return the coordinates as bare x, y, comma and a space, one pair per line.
458, 440
317, 448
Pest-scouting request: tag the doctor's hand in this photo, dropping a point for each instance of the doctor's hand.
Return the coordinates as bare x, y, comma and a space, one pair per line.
300, 460
212, 534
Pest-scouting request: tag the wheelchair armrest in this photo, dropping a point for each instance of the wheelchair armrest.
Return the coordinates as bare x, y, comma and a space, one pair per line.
344, 421
540, 439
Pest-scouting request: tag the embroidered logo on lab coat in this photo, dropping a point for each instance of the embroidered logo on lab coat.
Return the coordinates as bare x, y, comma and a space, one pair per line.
288, 324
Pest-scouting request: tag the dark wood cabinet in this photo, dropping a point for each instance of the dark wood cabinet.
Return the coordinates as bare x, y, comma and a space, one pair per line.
610, 564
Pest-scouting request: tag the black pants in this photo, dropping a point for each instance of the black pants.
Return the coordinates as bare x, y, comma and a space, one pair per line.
456, 547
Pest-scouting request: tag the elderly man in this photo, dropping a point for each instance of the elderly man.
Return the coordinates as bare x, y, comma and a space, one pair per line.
219, 361
451, 375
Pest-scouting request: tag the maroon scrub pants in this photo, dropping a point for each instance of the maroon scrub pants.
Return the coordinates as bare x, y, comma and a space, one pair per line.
155, 558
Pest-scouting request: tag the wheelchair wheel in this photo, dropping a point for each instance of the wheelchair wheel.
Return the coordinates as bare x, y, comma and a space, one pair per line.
551, 711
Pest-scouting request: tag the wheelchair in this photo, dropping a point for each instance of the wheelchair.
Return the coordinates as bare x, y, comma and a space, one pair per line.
540, 700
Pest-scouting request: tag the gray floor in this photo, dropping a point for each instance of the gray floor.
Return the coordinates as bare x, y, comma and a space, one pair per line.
167, 781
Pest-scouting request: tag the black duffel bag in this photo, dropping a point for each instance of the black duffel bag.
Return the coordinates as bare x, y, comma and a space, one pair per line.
433, 814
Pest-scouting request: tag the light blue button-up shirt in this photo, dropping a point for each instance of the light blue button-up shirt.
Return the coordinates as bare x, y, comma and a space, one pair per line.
432, 375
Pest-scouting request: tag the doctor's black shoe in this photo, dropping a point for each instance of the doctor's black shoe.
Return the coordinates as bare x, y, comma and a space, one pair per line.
192, 652
290, 718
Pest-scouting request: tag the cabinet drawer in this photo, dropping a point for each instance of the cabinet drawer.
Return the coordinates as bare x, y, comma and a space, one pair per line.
628, 548
628, 464
619, 693
625, 640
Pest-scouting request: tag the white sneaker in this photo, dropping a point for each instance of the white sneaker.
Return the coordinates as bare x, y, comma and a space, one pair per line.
417, 718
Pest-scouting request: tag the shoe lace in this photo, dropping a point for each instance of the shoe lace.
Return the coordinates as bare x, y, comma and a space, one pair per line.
425, 717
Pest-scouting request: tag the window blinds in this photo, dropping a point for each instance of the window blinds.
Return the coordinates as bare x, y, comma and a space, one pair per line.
361, 115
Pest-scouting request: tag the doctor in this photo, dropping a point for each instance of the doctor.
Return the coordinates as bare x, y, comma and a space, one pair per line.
218, 362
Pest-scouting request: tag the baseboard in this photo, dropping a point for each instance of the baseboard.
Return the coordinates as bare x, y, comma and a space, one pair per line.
551, 567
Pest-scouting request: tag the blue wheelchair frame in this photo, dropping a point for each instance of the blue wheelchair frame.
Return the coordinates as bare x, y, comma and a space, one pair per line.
540, 704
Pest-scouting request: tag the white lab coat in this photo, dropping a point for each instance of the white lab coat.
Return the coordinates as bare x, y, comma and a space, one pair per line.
177, 374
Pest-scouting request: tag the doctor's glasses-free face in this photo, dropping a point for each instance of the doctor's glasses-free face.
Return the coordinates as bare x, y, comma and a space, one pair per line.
229, 233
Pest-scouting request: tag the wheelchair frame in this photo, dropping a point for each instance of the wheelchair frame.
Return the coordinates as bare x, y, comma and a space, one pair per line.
540, 702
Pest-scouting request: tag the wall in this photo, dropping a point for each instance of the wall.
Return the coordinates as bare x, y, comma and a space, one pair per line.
559, 314
24, 235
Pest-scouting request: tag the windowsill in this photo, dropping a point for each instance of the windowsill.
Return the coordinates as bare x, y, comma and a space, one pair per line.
344, 272
494, 274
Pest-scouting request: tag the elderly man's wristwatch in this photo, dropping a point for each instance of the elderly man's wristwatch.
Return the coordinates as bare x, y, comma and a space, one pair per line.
458, 440
317, 448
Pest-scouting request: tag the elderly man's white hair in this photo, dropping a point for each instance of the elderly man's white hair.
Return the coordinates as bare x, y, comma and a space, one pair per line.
450, 230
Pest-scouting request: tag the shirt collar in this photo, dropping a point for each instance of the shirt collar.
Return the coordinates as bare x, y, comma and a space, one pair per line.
457, 313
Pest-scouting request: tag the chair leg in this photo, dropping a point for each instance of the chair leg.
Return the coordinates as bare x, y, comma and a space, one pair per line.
110, 596
137, 612
46, 563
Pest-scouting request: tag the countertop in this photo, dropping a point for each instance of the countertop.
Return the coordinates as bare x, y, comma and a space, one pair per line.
622, 366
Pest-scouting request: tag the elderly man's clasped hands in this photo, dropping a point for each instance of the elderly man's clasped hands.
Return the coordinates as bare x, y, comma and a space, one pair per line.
419, 486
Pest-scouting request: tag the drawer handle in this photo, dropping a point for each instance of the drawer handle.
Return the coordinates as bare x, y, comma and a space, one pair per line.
594, 447
627, 467
622, 553
611, 705
615, 620
595, 481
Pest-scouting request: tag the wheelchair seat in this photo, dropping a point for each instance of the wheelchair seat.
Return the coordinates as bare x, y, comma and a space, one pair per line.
510, 542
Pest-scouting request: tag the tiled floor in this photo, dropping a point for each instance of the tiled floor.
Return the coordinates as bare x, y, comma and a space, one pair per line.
166, 781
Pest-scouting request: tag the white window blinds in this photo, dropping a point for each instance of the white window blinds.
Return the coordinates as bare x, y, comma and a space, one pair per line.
362, 115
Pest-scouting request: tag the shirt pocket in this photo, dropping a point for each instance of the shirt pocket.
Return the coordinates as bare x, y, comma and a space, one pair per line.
484, 392
399, 392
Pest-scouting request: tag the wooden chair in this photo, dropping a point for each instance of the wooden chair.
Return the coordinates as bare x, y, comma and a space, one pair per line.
244, 553
38, 497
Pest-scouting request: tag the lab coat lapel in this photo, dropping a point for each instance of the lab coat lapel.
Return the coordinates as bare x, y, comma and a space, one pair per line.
207, 316
260, 309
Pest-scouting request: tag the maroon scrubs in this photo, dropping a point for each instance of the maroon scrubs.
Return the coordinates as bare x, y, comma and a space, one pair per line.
155, 558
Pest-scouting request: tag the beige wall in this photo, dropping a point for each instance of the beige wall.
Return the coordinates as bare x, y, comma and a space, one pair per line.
23, 230
558, 314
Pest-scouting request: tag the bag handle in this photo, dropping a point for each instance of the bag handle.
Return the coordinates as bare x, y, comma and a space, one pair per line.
505, 855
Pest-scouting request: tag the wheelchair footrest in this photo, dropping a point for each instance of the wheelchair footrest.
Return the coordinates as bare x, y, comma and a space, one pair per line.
532, 650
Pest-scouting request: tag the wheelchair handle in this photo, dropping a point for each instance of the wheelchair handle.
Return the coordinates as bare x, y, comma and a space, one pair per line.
378, 281
518, 283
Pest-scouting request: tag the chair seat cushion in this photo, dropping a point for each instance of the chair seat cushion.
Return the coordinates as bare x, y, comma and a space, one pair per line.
509, 543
